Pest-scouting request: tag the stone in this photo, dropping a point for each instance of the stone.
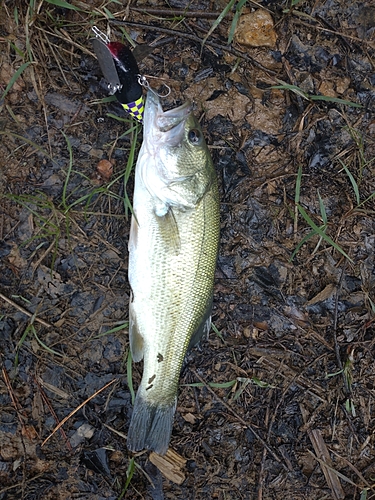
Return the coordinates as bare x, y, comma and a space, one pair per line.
256, 30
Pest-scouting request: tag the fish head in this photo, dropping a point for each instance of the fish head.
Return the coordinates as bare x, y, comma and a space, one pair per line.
178, 168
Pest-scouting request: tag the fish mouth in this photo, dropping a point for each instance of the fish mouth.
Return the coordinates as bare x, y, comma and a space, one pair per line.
167, 120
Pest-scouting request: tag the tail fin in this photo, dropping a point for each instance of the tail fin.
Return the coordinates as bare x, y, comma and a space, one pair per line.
151, 425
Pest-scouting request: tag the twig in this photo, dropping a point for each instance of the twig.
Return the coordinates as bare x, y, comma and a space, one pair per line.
262, 464
337, 347
195, 38
25, 311
241, 420
39, 261
323, 457
17, 485
46, 400
77, 409
178, 12
21, 415
349, 464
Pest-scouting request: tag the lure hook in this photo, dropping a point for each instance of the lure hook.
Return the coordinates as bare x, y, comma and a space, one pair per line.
142, 80
99, 34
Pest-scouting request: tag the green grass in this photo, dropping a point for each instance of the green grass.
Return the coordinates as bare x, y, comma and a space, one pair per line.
360, 165
31, 330
237, 13
237, 385
316, 230
129, 375
360, 202
129, 475
347, 373
16, 75
313, 98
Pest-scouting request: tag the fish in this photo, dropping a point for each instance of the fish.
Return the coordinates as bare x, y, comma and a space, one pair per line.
173, 247
120, 68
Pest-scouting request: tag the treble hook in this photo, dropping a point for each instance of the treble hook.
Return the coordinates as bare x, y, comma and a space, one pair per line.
142, 80
99, 34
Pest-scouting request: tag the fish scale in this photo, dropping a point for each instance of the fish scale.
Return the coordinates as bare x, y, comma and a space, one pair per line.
173, 249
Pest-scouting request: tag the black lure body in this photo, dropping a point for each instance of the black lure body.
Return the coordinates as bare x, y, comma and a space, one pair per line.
120, 69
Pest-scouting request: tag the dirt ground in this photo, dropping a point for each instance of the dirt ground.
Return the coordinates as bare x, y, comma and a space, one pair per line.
279, 401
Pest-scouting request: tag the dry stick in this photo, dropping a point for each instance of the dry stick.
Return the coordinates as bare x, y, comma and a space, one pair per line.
335, 473
195, 38
264, 455
3, 490
337, 348
321, 452
336, 33
241, 420
178, 12
22, 418
24, 311
187, 13
39, 261
47, 402
17, 406
349, 464
77, 409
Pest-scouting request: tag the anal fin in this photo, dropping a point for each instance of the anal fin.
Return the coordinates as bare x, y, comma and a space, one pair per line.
135, 338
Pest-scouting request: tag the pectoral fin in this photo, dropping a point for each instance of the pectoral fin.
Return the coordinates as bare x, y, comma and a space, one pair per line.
169, 232
135, 338
133, 235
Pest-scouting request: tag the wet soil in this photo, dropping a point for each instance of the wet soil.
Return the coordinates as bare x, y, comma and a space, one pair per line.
278, 402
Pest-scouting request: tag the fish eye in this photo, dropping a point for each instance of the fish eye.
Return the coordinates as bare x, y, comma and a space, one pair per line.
194, 136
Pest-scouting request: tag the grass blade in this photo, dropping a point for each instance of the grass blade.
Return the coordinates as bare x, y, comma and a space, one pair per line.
129, 167
65, 187
218, 333
129, 475
292, 88
322, 209
298, 185
218, 20
353, 182
301, 243
217, 385
321, 233
312, 97
63, 4
16, 75
42, 344
20, 342
129, 374
31, 143
236, 16
334, 99
113, 330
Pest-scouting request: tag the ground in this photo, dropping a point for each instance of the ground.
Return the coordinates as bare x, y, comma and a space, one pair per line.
278, 402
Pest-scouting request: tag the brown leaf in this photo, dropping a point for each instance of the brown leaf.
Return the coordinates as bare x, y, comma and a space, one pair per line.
105, 170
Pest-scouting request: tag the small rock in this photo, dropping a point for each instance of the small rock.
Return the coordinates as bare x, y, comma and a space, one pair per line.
85, 431
104, 170
256, 30
65, 104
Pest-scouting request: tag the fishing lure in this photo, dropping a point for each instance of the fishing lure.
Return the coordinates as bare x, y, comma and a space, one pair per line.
120, 69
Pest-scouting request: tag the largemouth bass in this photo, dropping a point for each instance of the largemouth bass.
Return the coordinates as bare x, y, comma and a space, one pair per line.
173, 248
